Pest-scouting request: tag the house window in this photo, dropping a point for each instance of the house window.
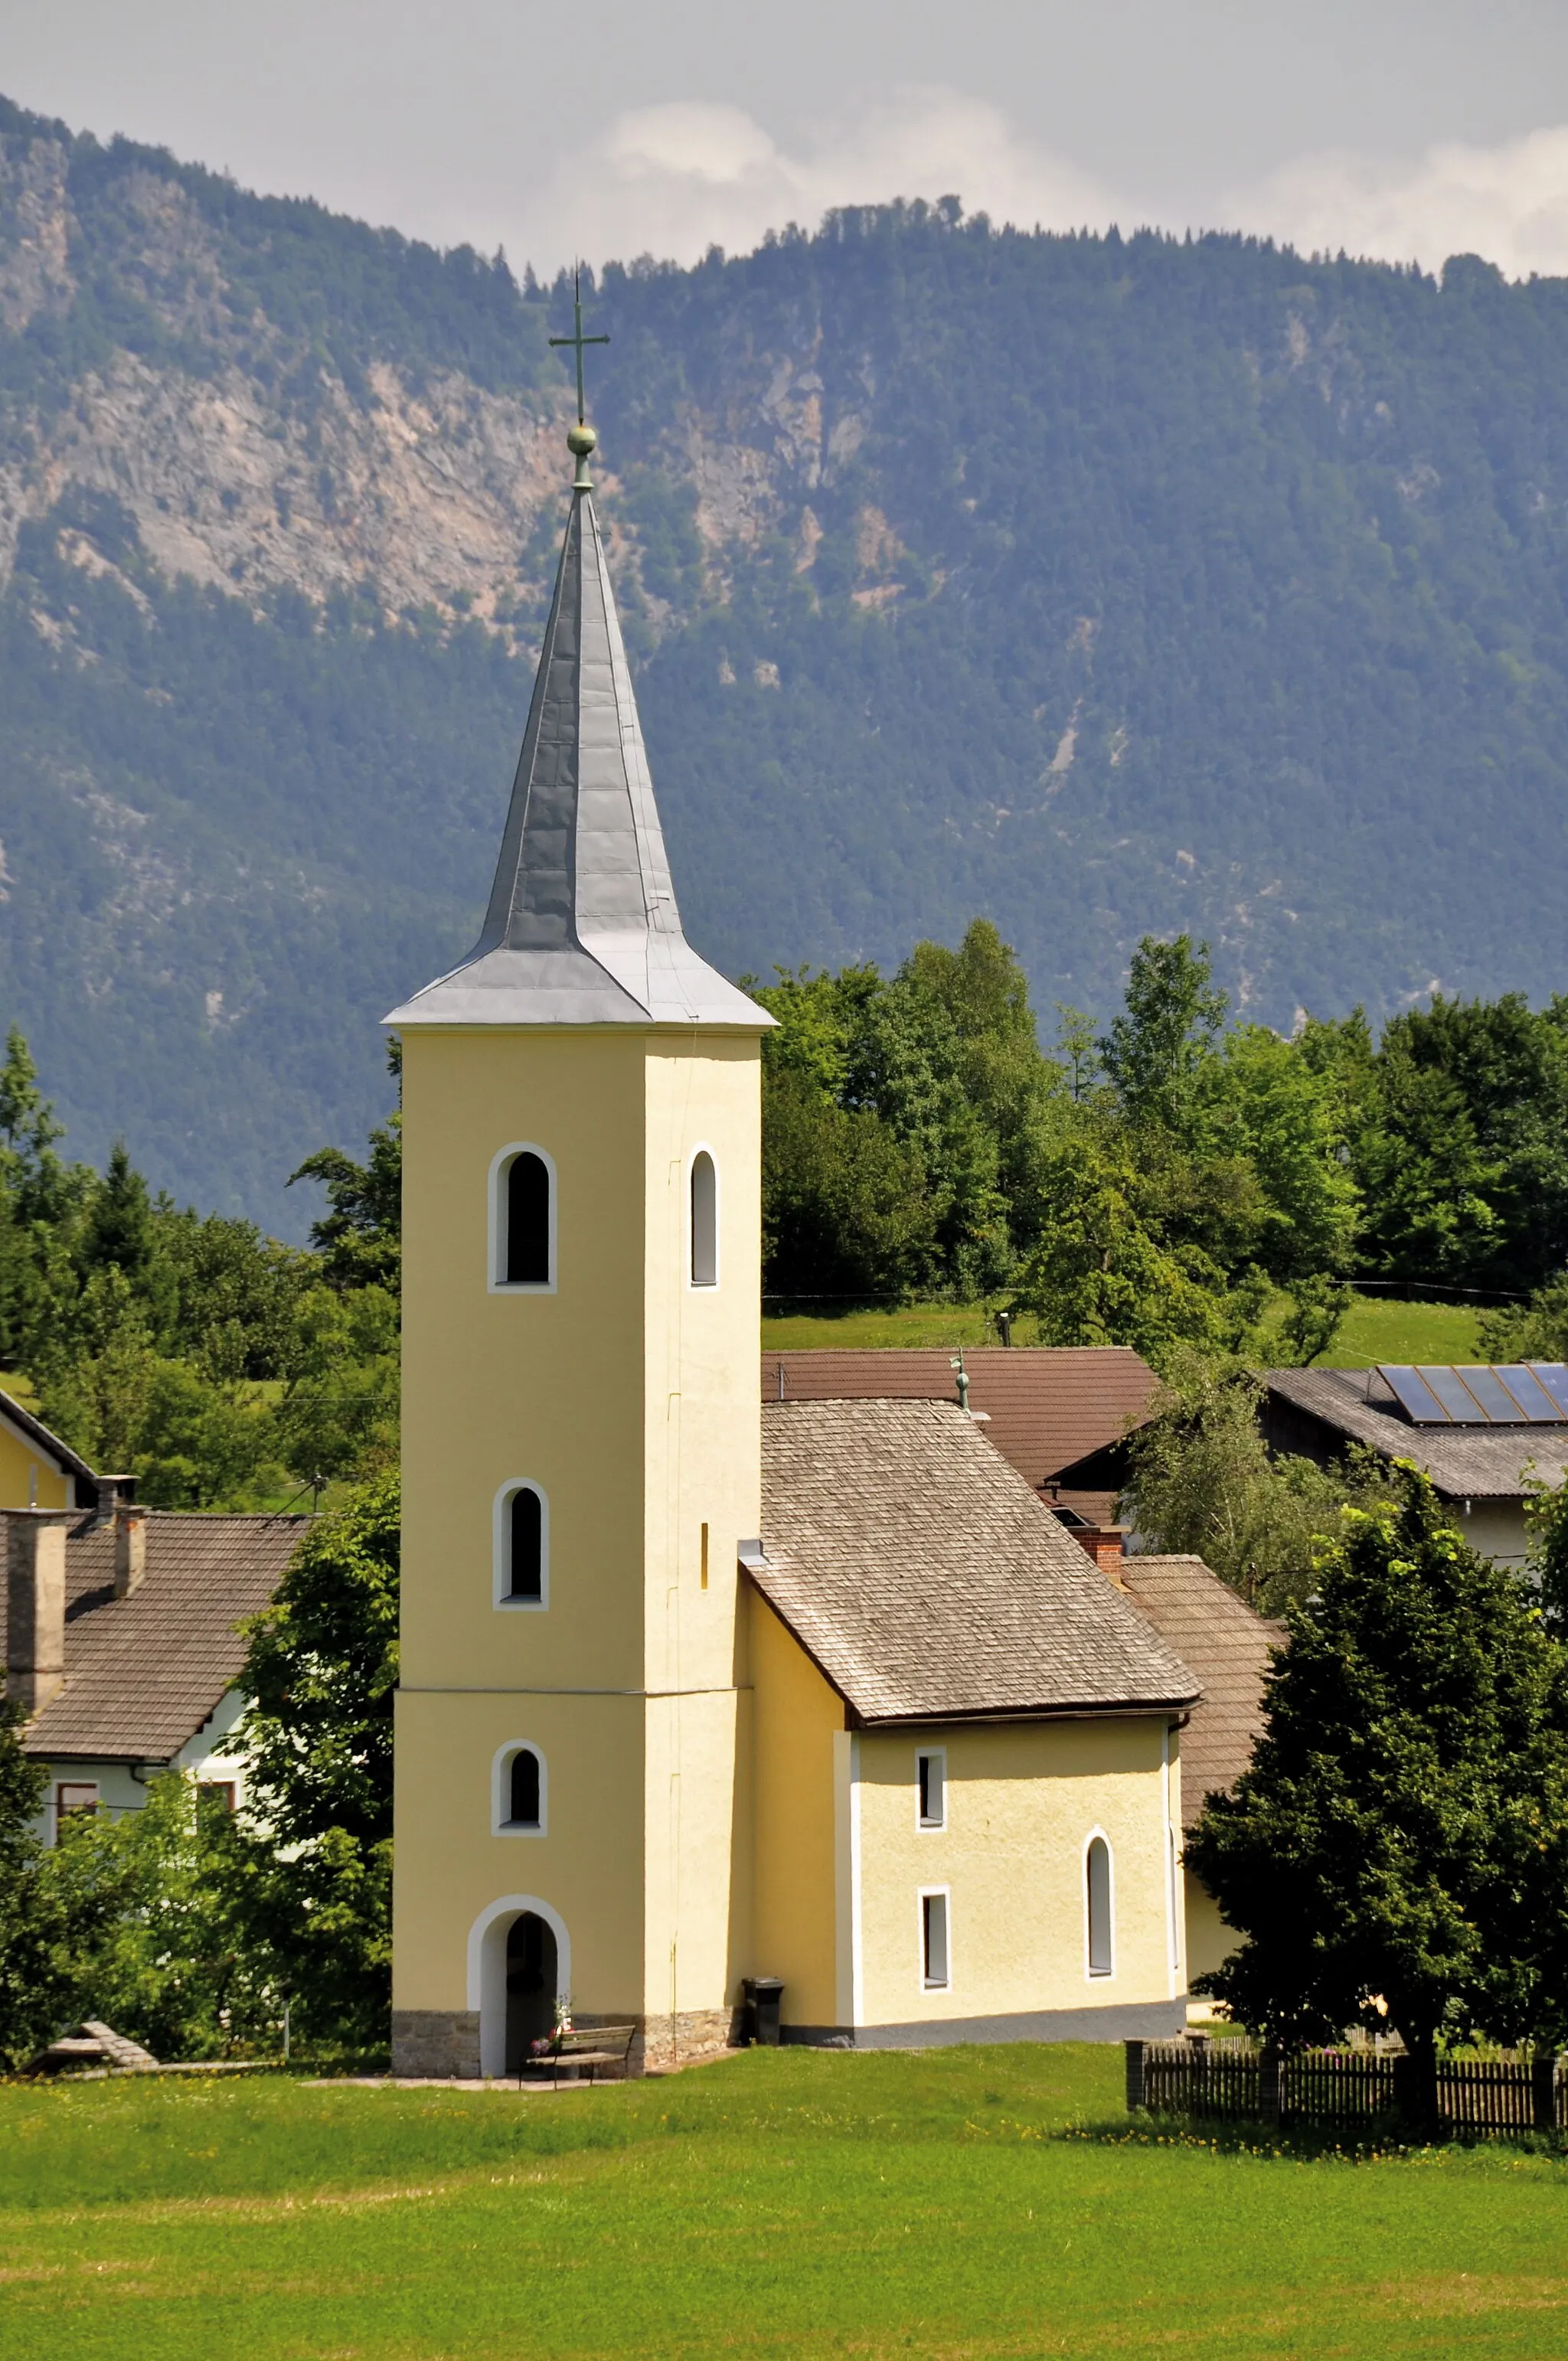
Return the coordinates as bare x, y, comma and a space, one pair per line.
523, 1219
704, 1220
1097, 1902
214, 1795
75, 1795
704, 1557
933, 1960
523, 1526
520, 1791
931, 1771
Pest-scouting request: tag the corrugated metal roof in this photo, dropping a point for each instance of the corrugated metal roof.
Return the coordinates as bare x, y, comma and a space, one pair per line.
143, 1673
582, 926
929, 1583
1476, 1463
1226, 1646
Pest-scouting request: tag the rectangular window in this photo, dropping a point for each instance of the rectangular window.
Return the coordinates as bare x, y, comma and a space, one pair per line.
704, 1557
215, 1796
934, 1941
76, 1795
932, 1771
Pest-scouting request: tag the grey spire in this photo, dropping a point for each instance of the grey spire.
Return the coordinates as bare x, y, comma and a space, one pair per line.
582, 926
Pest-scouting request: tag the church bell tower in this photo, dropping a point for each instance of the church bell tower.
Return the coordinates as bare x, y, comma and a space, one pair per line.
582, 1231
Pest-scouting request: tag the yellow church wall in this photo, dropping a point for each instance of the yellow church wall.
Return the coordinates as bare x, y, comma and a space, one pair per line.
499, 1386
26, 1479
1021, 1802
798, 1720
450, 1865
630, 1399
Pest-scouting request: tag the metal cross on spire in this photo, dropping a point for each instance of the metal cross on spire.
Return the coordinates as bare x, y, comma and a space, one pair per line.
581, 438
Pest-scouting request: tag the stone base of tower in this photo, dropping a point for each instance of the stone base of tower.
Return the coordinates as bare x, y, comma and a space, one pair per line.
666, 2041
436, 2044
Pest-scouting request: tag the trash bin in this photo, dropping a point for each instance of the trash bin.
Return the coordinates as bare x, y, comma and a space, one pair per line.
763, 1995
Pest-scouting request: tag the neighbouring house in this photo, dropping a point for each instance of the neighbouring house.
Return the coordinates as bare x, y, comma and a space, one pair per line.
1045, 1405
38, 1470
1480, 1466
1226, 1647
121, 1639
698, 1690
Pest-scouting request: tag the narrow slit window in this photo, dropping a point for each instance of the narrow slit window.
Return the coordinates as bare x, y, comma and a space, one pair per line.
705, 1221
526, 1260
933, 1779
704, 1557
525, 1789
1097, 1898
525, 1544
934, 1941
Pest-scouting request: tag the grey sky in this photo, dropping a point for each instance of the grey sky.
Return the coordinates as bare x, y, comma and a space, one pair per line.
679, 123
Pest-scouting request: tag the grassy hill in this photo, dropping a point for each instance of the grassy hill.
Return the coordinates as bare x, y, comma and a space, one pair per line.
1100, 585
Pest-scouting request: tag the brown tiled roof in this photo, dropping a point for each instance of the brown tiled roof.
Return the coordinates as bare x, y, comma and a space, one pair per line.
1227, 1647
143, 1673
929, 1582
1312, 1409
1047, 1405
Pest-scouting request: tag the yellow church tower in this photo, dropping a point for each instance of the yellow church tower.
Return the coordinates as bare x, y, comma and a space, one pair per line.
581, 1224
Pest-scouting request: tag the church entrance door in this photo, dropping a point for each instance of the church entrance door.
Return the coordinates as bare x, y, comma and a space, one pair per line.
531, 1986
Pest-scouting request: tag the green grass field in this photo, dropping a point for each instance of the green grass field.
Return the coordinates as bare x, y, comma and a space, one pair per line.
969, 2202
1376, 1330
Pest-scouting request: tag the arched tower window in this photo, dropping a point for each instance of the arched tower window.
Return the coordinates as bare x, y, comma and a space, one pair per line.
522, 1545
1097, 1900
520, 1791
704, 1220
526, 1227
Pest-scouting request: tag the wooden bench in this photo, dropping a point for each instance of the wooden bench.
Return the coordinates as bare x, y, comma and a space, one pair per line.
594, 2045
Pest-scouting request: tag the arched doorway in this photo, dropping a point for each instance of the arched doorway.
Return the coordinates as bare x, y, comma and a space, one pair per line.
531, 1986
492, 1964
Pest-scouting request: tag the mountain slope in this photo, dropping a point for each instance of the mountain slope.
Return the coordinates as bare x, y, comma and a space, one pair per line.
1101, 584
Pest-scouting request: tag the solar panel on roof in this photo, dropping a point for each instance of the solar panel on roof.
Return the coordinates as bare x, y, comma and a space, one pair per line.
1529, 1392
1554, 1377
1476, 1394
1494, 1399
1414, 1396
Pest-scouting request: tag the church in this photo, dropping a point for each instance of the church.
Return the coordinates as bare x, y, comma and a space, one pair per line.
697, 1689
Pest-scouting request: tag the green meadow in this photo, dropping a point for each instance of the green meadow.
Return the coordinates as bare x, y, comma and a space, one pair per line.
960, 2202
1374, 1329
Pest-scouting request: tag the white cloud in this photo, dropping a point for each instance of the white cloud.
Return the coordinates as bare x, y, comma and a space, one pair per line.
1507, 202
672, 180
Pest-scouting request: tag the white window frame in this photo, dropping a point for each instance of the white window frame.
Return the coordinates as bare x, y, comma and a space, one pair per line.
1091, 1973
932, 1894
703, 1286
501, 1547
938, 1755
496, 1229
501, 1789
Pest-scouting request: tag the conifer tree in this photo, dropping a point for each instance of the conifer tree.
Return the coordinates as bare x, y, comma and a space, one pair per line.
1401, 1841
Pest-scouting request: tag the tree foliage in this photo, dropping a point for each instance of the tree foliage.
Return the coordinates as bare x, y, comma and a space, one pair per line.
1400, 1843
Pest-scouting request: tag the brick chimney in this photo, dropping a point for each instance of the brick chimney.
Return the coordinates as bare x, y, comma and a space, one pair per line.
130, 1547
35, 1579
1106, 1545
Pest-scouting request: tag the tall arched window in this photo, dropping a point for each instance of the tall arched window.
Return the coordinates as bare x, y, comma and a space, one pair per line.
1100, 1933
522, 1545
527, 1256
519, 1796
704, 1220
525, 1789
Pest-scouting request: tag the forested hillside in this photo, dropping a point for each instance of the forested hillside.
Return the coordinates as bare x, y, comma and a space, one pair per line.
1100, 586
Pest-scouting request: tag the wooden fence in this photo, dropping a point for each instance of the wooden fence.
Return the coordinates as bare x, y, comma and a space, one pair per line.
1230, 2082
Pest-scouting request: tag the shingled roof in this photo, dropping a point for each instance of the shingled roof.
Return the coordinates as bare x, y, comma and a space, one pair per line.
1314, 1411
929, 1583
1227, 1646
1047, 1405
143, 1673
